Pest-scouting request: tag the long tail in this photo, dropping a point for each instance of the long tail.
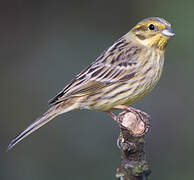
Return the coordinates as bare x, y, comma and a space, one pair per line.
45, 118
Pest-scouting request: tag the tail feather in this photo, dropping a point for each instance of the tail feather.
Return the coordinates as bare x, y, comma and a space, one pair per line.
45, 118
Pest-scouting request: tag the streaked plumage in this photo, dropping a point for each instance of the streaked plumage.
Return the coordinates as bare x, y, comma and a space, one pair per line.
121, 75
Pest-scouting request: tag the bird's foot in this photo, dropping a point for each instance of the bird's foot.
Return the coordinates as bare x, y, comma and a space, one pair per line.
138, 119
141, 114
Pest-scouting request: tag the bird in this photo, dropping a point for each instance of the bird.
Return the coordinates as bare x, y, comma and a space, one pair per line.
122, 75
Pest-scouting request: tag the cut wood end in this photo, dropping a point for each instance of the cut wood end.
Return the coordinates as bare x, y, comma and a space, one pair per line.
136, 126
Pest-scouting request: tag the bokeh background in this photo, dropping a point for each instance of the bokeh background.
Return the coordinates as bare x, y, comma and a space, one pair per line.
44, 44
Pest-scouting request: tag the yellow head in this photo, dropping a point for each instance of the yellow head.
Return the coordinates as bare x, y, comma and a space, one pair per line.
153, 32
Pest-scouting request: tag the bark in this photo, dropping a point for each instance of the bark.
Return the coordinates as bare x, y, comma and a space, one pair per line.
133, 128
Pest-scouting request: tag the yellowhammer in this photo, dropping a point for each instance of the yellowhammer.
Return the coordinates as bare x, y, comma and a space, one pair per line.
119, 77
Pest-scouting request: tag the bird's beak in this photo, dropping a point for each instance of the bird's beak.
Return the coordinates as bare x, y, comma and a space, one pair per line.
168, 32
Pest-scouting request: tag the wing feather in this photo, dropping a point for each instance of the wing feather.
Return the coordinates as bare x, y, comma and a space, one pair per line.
117, 63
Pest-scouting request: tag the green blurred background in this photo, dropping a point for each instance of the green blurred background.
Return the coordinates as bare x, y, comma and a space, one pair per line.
44, 44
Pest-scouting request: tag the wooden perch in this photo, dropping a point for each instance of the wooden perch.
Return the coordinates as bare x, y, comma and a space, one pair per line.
133, 127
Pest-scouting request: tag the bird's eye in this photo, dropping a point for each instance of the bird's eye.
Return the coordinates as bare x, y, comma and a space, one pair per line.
151, 27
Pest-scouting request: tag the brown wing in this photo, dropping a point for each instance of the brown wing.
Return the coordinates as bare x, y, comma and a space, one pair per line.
118, 63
